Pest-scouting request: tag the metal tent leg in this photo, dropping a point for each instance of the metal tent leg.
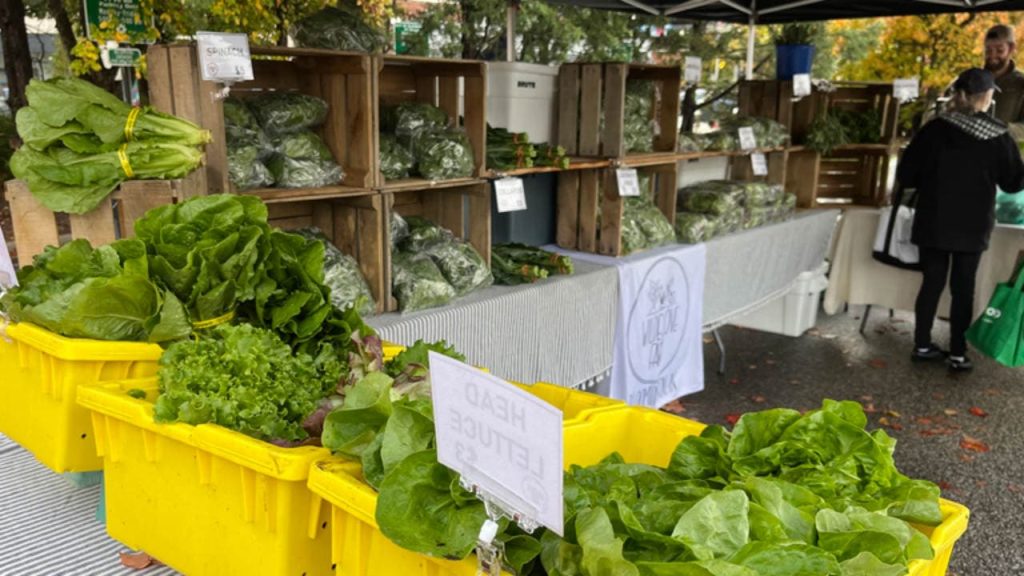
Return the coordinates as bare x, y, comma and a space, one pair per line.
721, 351
864, 321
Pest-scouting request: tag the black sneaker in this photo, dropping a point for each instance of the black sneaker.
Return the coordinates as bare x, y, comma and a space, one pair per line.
960, 364
929, 354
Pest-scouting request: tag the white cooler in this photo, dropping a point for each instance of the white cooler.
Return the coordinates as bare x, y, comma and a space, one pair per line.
523, 98
793, 313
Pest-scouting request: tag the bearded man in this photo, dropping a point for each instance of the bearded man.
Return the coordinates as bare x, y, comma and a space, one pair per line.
1000, 46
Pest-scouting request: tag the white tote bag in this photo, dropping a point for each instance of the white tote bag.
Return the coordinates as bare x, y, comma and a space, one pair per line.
892, 239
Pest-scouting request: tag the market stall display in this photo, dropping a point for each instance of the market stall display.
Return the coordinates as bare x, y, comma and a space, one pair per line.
719, 207
513, 150
422, 132
514, 264
768, 133
81, 143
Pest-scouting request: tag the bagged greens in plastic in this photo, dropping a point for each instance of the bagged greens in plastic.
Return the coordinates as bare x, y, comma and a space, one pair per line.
722, 141
638, 128
399, 230
286, 112
423, 233
417, 283
299, 173
396, 161
767, 132
644, 226
342, 275
689, 142
758, 216
245, 170
410, 119
444, 155
788, 201
461, 265
304, 145
693, 228
339, 28
708, 201
1010, 208
731, 222
242, 128
762, 193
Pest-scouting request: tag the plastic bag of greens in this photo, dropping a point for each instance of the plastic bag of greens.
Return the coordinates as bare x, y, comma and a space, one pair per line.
444, 155
638, 127
722, 141
343, 28
693, 228
757, 216
396, 161
242, 128
422, 234
287, 112
305, 145
342, 275
399, 230
761, 194
633, 239
245, 170
789, 202
1010, 208
768, 133
300, 173
708, 202
730, 222
655, 226
689, 142
408, 120
417, 283
461, 265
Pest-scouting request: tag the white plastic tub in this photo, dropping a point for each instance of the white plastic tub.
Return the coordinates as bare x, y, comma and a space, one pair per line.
793, 313
523, 98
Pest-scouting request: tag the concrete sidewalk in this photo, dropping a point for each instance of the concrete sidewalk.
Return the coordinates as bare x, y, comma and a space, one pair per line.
924, 407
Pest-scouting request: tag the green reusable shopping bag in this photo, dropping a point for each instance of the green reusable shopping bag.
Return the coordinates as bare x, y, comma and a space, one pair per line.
999, 331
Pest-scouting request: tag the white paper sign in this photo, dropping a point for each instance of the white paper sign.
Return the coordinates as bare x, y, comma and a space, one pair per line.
510, 194
693, 70
629, 182
906, 89
801, 85
759, 164
504, 440
747, 139
224, 57
8, 278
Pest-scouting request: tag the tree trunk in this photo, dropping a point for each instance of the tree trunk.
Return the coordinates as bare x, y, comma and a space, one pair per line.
17, 56
64, 29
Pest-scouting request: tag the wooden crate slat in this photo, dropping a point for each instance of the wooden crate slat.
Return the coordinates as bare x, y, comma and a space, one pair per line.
612, 208
590, 110
568, 208
613, 139
136, 197
569, 108
34, 225
590, 187
476, 120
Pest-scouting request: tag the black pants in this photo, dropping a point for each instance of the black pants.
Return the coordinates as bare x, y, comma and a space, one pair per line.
935, 265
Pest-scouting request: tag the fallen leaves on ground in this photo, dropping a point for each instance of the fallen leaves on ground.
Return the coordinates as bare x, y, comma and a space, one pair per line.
869, 408
867, 398
943, 485
978, 412
675, 407
734, 381
137, 560
893, 414
1015, 488
884, 421
878, 363
993, 392
732, 418
758, 399
973, 444
950, 412
938, 395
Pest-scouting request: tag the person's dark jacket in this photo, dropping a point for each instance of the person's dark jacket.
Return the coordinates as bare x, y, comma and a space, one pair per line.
955, 162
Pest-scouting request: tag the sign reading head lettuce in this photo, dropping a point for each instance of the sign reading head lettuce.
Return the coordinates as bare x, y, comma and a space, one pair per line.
658, 353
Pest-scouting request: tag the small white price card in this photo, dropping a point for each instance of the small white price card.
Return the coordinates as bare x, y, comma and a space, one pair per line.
906, 89
502, 440
629, 182
8, 278
510, 194
759, 163
747, 139
692, 70
224, 57
801, 85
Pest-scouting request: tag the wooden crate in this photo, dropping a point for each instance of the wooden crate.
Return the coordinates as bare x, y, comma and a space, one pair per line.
590, 210
459, 87
464, 210
853, 175
741, 167
36, 226
344, 80
580, 110
356, 225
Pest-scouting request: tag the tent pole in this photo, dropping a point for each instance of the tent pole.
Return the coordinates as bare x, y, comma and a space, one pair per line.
751, 43
511, 12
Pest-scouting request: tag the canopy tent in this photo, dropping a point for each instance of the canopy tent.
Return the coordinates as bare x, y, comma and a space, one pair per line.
780, 11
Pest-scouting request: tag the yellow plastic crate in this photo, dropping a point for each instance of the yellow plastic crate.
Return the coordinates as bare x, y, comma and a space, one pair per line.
203, 499
41, 372
640, 435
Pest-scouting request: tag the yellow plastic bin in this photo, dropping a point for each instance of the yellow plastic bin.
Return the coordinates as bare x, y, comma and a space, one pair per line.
640, 435
40, 374
203, 499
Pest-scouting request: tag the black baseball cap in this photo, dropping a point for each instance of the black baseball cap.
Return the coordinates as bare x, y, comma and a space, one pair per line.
975, 81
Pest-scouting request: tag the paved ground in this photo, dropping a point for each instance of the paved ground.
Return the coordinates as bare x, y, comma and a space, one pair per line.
924, 407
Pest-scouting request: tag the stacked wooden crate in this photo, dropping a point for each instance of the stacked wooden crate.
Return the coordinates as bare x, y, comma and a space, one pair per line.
591, 115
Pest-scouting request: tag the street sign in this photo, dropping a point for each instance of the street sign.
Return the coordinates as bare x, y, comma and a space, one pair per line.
121, 57
127, 14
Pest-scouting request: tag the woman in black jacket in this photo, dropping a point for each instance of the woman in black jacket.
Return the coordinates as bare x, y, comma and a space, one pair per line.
955, 162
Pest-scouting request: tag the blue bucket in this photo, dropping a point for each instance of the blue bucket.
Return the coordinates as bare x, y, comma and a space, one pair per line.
792, 59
